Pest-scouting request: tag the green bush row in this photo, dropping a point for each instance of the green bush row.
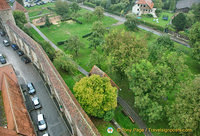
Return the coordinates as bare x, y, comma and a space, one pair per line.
89, 4
152, 25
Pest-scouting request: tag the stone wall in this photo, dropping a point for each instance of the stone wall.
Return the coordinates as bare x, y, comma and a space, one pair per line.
77, 118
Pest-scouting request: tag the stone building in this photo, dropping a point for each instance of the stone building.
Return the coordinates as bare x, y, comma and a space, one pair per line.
144, 7
80, 123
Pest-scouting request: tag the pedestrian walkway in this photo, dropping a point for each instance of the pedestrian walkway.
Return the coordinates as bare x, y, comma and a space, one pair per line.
134, 116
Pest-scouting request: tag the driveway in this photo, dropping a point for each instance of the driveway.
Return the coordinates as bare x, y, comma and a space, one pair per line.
28, 73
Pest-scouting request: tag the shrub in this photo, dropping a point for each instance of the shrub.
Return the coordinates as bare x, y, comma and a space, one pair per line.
89, 4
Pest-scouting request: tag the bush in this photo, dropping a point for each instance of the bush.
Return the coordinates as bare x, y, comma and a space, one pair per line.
60, 42
109, 115
158, 11
89, 4
79, 22
87, 35
154, 26
42, 26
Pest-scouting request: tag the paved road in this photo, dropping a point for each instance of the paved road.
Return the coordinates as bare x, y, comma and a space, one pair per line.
123, 19
56, 48
134, 116
28, 73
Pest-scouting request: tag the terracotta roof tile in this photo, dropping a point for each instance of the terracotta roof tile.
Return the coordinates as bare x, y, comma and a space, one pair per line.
98, 71
78, 115
4, 5
148, 2
7, 132
14, 102
17, 6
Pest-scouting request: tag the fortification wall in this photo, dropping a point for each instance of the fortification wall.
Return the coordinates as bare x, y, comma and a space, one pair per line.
77, 118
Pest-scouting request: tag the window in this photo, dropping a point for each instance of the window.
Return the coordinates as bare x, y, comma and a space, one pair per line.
144, 5
138, 9
146, 9
138, 4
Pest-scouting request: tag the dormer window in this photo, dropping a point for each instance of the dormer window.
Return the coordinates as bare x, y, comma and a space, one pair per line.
144, 5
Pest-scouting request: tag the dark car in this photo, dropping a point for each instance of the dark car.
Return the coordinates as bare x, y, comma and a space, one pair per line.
6, 42
15, 47
2, 33
25, 59
20, 53
2, 59
31, 88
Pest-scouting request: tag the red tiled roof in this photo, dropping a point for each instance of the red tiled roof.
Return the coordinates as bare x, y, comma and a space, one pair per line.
78, 115
7, 132
98, 71
4, 5
16, 112
7, 69
17, 6
148, 2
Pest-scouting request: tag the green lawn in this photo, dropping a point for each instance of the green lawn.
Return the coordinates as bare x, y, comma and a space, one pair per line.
162, 22
64, 30
102, 127
126, 123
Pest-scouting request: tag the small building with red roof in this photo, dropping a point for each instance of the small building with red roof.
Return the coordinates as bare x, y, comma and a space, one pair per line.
144, 7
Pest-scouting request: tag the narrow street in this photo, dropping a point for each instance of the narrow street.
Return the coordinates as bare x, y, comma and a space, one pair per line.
25, 73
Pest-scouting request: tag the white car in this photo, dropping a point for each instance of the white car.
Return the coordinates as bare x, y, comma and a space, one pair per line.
46, 134
41, 122
36, 102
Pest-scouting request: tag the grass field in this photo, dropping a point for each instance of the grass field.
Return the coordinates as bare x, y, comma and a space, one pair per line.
102, 127
64, 30
162, 22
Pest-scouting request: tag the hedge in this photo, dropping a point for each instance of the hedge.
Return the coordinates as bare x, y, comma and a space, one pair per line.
89, 4
152, 25
86, 35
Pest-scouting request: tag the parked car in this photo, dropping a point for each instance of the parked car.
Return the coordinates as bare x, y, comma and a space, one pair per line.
15, 47
36, 102
41, 122
25, 59
2, 59
2, 33
6, 42
31, 88
45, 134
20, 53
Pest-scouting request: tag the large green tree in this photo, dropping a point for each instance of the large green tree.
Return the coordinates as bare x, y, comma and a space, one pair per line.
74, 44
184, 113
20, 18
124, 49
64, 62
153, 84
196, 12
179, 22
131, 22
47, 22
96, 96
75, 7
194, 36
97, 37
96, 59
98, 11
62, 8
